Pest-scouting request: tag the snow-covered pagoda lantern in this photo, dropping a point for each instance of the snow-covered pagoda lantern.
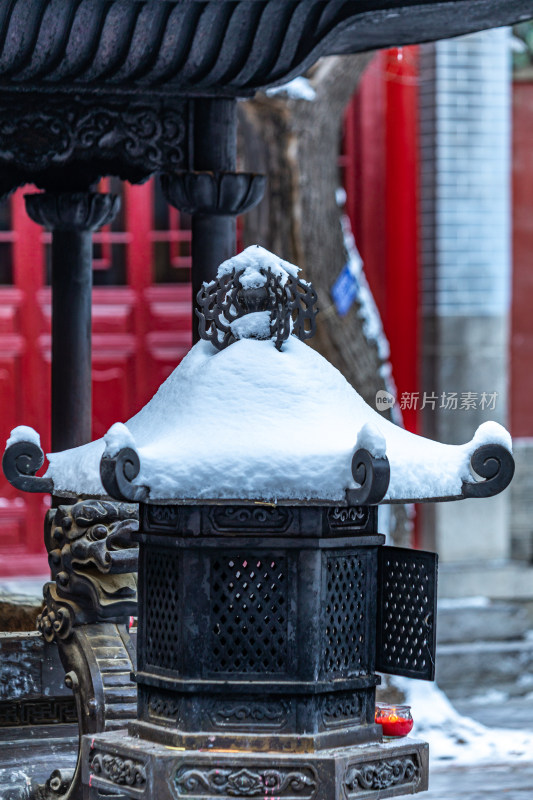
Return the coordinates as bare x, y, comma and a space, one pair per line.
268, 599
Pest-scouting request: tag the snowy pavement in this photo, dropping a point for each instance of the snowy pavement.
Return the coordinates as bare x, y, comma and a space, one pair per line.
481, 783
458, 738
509, 776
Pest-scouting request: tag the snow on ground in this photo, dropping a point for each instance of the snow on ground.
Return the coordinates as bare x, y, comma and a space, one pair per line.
456, 740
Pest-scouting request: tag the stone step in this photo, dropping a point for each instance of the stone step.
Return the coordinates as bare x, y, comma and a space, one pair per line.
477, 619
467, 669
498, 580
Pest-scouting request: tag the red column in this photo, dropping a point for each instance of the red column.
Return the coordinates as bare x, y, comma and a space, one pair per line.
138, 202
521, 345
401, 215
28, 276
34, 379
369, 177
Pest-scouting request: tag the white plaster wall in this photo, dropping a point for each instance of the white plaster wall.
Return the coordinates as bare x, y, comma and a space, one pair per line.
466, 262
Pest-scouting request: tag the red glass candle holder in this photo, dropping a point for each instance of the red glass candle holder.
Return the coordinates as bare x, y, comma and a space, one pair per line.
396, 720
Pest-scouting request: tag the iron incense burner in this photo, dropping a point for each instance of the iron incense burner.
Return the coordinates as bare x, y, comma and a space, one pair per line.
260, 632
262, 624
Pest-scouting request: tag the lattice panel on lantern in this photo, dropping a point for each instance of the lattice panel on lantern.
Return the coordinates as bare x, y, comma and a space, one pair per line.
249, 599
407, 608
345, 645
161, 617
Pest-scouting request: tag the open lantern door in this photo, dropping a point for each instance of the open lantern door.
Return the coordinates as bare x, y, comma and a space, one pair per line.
407, 612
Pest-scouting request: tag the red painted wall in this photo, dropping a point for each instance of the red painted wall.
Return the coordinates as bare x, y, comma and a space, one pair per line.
141, 331
381, 178
521, 355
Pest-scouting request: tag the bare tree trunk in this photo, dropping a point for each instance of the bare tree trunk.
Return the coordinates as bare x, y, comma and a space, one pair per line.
296, 143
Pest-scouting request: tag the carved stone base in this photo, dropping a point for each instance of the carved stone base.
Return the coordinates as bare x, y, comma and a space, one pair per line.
144, 769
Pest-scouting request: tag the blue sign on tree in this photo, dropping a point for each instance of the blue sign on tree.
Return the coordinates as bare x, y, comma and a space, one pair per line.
345, 290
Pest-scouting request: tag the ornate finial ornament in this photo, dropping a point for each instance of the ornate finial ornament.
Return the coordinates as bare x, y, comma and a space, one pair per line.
261, 301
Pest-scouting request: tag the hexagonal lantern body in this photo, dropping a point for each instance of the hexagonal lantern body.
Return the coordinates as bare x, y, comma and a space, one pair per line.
258, 626
268, 602
257, 653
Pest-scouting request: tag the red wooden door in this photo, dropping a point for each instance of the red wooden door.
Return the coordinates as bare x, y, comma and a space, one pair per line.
141, 331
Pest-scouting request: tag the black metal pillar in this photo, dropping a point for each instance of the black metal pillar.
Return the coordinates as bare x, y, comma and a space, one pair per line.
212, 192
72, 217
215, 150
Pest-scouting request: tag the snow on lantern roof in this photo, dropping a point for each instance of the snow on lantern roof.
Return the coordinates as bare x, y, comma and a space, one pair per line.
242, 420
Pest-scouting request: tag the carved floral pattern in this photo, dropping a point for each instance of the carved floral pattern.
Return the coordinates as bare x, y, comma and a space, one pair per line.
161, 516
226, 518
131, 140
381, 775
252, 713
243, 782
340, 709
348, 516
56, 620
41, 139
124, 771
